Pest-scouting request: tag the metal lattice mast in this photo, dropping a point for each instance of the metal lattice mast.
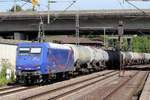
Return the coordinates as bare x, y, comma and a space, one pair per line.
121, 32
41, 34
77, 29
48, 17
15, 6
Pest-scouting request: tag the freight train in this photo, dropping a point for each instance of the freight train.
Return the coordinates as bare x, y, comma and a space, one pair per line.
43, 62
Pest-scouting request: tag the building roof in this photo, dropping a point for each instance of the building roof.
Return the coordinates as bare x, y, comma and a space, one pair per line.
63, 39
72, 40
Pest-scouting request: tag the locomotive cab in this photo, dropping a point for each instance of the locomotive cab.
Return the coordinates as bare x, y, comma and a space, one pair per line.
29, 58
29, 61
39, 61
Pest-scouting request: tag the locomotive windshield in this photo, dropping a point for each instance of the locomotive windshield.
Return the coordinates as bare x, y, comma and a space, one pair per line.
30, 51
35, 52
24, 51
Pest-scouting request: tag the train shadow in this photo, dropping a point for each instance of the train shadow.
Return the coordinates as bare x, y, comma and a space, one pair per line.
139, 69
135, 68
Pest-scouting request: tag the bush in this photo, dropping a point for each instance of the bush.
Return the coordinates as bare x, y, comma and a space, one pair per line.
141, 44
3, 79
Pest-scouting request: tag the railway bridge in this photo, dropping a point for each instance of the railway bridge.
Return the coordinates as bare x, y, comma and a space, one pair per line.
20, 24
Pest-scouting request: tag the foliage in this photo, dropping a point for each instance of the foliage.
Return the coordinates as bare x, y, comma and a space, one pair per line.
141, 44
124, 45
12, 77
138, 43
18, 8
93, 36
3, 79
139, 91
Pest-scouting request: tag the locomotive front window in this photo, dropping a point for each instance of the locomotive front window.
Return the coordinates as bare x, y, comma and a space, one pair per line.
30, 51
24, 51
35, 52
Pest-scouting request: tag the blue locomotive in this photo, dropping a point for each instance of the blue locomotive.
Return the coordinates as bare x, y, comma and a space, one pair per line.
35, 62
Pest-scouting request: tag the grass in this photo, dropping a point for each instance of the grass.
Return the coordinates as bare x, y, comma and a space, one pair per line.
139, 91
3, 79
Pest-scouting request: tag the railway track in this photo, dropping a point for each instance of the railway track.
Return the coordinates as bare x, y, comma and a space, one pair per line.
10, 87
120, 86
63, 89
15, 89
128, 88
27, 93
7, 88
66, 89
70, 88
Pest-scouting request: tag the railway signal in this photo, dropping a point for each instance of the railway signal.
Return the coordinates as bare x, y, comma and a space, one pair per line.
120, 32
120, 28
35, 2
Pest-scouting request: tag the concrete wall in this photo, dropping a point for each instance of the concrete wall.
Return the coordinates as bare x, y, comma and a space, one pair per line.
8, 54
64, 22
19, 36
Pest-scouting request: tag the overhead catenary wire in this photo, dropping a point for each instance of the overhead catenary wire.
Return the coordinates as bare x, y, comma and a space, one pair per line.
70, 5
136, 7
143, 13
57, 1
13, 0
120, 3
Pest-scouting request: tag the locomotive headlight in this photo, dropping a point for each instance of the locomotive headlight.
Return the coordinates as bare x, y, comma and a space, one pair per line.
38, 67
19, 67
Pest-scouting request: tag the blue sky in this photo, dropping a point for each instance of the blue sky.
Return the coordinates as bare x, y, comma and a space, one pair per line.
79, 5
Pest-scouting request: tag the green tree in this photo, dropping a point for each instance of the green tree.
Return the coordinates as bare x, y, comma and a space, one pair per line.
18, 8
141, 44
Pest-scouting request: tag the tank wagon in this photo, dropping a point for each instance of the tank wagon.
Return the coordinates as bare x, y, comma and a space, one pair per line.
43, 62
133, 58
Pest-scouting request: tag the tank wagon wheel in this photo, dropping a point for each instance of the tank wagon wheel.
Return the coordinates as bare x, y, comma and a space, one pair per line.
103, 65
78, 66
93, 63
99, 66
